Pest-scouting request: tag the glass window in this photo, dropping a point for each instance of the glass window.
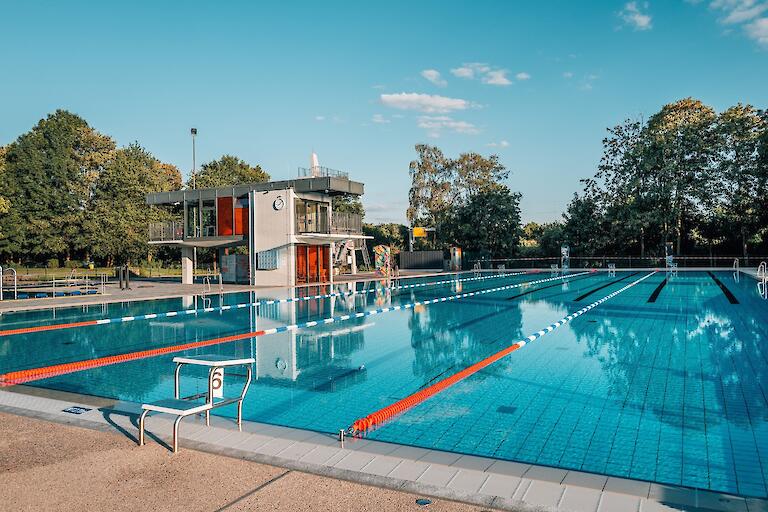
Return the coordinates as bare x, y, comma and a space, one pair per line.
209, 218
193, 219
301, 216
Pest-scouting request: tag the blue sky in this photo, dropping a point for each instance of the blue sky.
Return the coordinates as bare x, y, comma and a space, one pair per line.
360, 83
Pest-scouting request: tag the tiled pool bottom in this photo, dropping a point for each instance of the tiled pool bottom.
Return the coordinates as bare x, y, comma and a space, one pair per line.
663, 383
671, 393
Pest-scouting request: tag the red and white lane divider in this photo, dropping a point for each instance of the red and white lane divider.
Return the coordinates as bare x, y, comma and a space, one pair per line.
363, 424
22, 376
167, 314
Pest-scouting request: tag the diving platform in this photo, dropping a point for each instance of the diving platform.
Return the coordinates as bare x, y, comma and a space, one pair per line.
200, 403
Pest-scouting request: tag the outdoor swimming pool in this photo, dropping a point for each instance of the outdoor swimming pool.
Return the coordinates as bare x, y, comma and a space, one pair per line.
667, 381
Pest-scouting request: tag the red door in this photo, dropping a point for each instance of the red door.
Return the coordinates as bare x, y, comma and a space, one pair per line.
312, 263
301, 263
324, 251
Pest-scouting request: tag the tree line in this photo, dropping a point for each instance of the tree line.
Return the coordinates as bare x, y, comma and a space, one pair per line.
687, 176
69, 194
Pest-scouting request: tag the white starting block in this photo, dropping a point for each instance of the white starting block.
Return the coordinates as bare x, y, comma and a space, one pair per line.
201, 402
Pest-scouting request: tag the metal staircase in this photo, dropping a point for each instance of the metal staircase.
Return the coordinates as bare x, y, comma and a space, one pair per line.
362, 245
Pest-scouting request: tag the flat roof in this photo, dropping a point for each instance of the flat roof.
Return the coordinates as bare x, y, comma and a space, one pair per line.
325, 184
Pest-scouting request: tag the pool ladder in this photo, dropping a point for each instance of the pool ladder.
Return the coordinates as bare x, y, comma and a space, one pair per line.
762, 280
10, 271
207, 289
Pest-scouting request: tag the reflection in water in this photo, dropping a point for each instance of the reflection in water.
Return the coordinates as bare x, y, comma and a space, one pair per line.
672, 391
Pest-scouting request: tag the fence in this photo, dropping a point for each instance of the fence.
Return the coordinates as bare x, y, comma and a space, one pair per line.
421, 260
619, 261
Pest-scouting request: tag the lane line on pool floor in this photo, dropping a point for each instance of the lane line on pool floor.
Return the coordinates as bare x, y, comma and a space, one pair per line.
32, 374
166, 314
361, 425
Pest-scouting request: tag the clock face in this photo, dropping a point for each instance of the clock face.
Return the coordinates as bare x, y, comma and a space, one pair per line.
278, 204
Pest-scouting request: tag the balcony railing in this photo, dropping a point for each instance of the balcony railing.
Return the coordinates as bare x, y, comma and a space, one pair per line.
346, 223
166, 231
321, 172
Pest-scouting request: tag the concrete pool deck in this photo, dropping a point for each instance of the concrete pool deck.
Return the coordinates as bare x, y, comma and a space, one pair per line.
70, 468
394, 470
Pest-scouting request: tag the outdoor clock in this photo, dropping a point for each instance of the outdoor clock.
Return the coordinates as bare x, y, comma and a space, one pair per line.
279, 203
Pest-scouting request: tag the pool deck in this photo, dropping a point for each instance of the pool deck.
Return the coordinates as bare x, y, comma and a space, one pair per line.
392, 469
105, 471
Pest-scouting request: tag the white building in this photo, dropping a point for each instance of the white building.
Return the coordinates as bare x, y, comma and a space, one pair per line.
297, 238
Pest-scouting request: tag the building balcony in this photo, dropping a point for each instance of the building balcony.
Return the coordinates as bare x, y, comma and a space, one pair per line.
341, 223
166, 231
351, 223
172, 232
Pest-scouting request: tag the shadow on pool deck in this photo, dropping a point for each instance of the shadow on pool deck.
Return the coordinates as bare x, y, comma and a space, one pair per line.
50, 466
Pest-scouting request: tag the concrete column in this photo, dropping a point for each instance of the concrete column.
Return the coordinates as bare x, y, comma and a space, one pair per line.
354, 258
187, 275
331, 250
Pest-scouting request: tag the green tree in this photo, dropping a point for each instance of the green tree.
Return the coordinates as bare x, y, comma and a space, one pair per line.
740, 178
4, 203
489, 223
440, 186
582, 227
428, 197
551, 239
348, 204
227, 171
394, 235
49, 176
119, 217
679, 156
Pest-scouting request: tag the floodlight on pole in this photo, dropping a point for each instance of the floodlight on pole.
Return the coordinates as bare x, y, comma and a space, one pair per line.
193, 132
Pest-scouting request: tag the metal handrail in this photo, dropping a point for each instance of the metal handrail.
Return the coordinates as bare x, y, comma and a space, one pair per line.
319, 171
15, 282
762, 276
166, 231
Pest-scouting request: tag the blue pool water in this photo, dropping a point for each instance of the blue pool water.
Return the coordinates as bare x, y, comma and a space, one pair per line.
661, 383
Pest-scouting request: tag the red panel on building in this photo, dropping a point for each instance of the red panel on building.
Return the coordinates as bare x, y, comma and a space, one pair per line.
241, 221
224, 216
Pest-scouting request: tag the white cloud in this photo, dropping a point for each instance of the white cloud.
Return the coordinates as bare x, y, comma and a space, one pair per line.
470, 70
568, 74
747, 14
758, 30
433, 76
436, 124
500, 144
379, 119
427, 103
319, 118
497, 77
747, 11
487, 74
587, 83
633, 15
523, 76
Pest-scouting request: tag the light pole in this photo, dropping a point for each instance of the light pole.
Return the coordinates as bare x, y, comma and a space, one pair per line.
193, 132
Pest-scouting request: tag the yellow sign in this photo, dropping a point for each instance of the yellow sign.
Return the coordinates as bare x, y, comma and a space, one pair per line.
419, 232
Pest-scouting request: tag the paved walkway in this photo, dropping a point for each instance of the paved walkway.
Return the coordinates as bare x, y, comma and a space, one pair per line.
483, 482
45, 466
